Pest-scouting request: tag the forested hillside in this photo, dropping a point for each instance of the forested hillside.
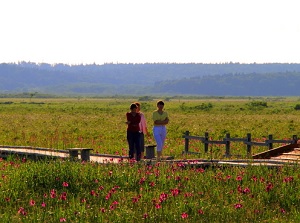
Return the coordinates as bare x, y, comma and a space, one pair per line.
170, 79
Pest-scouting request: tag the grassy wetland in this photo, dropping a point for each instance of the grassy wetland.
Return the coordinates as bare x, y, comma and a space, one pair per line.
64, 191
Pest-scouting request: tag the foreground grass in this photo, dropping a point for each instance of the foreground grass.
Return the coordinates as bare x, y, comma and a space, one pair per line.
64, 191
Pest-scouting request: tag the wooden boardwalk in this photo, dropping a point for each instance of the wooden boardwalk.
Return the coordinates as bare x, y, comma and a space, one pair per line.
284, 155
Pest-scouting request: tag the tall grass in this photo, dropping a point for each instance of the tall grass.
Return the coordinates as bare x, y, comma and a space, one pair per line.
54, 191
99, 124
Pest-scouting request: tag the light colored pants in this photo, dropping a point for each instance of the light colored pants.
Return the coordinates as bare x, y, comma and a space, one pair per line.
159, 133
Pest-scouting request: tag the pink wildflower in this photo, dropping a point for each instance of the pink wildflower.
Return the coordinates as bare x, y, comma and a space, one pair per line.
282, 211
163, 197
184, 215
22, 211
237, 206
145, 216
102, 210
32, 202
200, 211
65, 184
269, 187
157, 206
239, 178
63, 196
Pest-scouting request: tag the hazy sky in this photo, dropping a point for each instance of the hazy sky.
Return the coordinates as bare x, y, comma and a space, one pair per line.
140, 31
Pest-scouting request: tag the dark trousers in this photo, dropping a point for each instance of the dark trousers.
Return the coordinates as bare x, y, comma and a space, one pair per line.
134, 144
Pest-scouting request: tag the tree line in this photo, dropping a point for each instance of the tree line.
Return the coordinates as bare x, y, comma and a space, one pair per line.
232, 79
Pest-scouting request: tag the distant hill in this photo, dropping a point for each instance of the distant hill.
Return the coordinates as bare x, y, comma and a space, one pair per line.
146, 79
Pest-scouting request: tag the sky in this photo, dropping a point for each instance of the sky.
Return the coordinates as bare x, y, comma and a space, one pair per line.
149, 31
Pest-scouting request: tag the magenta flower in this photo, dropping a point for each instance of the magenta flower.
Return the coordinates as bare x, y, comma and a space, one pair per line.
238, 205
65, 184
102, 210
200, 211
228, 177
288, 179
184, 215
142, 180
32, 202
43, 204
269, 187
53, 193
63, 196
188, 194
135, 199
22, 211
152, 184
175, 191
157, 206
177, 178
93, 193
239, 178
145, 216
254, 178
246, 190
200, 170
163, 197
62, 220
282, 211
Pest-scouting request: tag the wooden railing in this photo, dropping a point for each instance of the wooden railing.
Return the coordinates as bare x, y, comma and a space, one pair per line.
227, 142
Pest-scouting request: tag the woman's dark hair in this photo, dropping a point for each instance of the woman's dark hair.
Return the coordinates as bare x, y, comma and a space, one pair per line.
132, 106
160, 103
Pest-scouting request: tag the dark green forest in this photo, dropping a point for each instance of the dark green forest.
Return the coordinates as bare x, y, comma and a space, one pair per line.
228, 79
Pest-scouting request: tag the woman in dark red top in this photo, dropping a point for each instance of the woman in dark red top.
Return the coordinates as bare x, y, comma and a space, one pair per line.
133, 132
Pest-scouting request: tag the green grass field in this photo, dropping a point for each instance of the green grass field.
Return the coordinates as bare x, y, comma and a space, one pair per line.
64, 191
99, 123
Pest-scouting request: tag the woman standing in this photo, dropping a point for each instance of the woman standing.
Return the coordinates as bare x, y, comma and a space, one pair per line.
143, 129
133, 132
160, 119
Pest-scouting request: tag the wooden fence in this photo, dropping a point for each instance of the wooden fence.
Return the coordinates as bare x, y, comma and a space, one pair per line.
227, 142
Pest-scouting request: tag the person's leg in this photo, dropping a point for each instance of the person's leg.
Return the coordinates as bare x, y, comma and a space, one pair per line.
130, 139
142, 144
137, 143
163, 135
159, 140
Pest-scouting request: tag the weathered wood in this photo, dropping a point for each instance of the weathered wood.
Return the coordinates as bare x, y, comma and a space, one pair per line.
226, 141
85, 153
275, 152
150, 151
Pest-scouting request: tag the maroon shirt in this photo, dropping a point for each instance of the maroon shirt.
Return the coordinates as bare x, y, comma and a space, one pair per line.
134, 122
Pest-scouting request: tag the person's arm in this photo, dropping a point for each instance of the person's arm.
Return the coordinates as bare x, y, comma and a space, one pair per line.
161, 122
127, 118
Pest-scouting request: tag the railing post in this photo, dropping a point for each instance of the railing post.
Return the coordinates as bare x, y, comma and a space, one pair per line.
248, 145
295, 139
206, 142
227, 152
270, 144
186, 140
